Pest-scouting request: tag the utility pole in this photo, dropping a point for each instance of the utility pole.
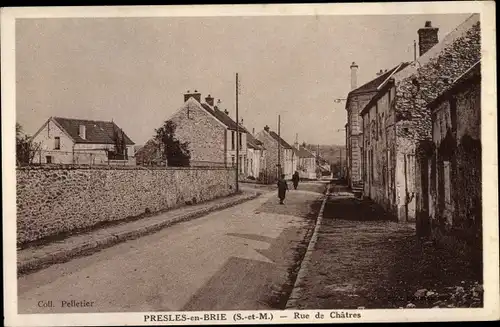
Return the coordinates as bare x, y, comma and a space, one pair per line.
341, 172
237, 139
279, 146
414, 50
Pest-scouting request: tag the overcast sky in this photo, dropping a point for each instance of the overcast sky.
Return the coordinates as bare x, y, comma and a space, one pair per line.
136, 70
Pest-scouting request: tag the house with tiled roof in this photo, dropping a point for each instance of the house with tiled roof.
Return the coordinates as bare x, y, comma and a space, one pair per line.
307, 165
256, 158
80, 141
210, 132
357, 99
397, 120
272, 142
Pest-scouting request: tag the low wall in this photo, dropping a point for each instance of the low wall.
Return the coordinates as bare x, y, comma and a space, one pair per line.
54, 200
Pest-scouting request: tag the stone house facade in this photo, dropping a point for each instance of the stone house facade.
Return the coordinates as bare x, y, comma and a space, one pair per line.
450, 197
210, 132
403, 98
270, 141
357, 99
84, 142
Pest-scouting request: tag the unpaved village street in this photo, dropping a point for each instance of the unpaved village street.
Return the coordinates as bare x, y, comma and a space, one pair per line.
244, 257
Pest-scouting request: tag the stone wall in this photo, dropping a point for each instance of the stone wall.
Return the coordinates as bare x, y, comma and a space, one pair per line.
204, 133
54, 200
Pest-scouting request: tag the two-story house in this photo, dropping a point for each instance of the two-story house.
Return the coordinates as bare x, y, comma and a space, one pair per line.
307, 166
256, 158
210, 133
79, 141
272, 142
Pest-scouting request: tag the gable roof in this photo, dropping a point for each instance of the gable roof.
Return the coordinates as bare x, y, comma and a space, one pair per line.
437, 49
280, 140
97, 132
253, 143
304, 153
223, 118
372, 85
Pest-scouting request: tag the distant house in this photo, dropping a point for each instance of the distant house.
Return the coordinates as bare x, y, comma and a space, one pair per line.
149, 154
210, 132
256, 158
78, 141
271, 140
307, 163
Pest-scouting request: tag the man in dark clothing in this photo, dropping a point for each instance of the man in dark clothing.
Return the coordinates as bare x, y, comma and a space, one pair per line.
282, 188
295, 179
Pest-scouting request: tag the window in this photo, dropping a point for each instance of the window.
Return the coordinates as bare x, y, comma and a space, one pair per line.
232, 140
57, 143
241, 142
232, 161
48, 159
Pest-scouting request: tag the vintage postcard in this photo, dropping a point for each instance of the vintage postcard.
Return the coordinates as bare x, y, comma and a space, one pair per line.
263, 164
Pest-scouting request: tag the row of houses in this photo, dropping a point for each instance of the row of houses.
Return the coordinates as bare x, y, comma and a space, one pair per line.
210, 132
212, 137
413, 134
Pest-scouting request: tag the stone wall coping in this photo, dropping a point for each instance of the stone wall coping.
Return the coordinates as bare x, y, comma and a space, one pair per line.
97, 167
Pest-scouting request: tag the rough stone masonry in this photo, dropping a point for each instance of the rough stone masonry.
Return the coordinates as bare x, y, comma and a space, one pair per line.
53, 200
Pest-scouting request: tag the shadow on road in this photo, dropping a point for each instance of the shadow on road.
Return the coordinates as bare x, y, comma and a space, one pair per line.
246, 284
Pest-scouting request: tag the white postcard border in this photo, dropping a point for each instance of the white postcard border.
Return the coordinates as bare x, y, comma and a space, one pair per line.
489, 141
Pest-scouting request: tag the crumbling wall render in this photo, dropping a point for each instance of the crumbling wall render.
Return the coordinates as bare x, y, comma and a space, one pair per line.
432, 79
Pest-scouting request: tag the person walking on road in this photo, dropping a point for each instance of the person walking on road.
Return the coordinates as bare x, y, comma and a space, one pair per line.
282, 188
295, 180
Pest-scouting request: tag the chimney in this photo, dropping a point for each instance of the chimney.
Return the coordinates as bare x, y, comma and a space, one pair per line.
81, 131
354, 75
381, 72
266, 128
196, 95
216, 107
427, 37
253, 131
226, 112
209, 100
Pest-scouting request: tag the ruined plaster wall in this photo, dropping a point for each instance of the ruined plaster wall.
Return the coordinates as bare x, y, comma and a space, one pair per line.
468, 181
415, 92
52, 200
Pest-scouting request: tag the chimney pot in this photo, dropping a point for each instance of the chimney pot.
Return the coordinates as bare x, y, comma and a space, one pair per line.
266, 128
209, 100
354, 75
428, 23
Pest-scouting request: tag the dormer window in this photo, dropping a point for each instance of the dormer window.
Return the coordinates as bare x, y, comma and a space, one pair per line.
82, 131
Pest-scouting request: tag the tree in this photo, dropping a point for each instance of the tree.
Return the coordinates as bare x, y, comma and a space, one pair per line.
176, 154
26, 149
